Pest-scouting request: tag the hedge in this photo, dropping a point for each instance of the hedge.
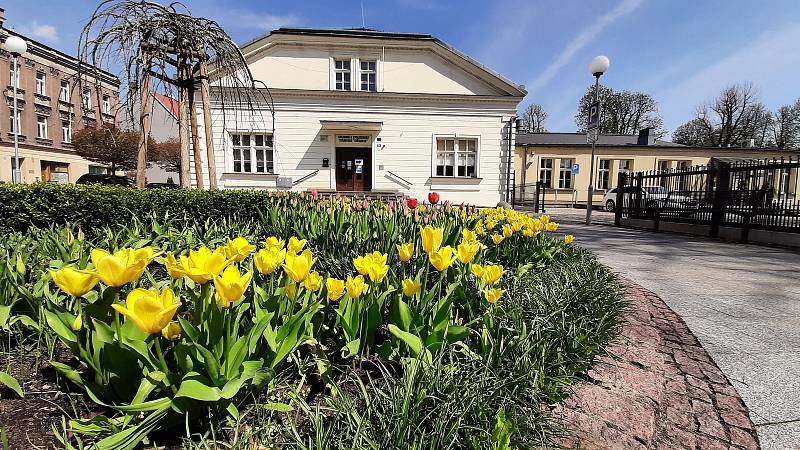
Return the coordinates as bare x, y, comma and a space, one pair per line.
46, 204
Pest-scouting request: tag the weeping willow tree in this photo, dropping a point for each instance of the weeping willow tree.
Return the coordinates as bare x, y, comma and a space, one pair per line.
164, 49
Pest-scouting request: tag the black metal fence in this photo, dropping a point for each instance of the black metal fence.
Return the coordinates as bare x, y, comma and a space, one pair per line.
745, 194
530, 196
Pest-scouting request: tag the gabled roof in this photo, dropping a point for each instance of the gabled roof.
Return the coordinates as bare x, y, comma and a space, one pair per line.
170, 104
579, 139
487, 74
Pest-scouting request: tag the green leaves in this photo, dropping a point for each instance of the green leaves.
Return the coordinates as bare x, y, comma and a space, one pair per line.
10, 382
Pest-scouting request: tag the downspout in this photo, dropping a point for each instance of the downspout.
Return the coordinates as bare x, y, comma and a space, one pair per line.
509, 188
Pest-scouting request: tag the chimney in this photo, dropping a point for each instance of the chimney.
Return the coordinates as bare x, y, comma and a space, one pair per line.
644, 137
2, 17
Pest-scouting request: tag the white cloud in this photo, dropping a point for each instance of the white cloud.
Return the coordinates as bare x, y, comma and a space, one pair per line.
246, 19
269, 22
40, 31
770, 61
580, 41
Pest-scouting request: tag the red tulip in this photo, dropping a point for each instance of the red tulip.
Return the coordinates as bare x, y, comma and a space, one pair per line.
433, 197
411, 203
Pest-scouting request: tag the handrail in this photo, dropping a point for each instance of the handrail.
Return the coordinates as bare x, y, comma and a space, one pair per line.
305, 177
399, 177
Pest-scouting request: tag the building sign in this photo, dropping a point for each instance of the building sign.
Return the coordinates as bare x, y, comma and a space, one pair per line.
359, 162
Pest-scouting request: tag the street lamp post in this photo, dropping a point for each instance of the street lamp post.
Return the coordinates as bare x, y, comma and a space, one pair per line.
597, 68
16, 46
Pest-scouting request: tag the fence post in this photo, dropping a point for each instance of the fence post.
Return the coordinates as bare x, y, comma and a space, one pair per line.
621, 181
536, 198
514, 189
721, 176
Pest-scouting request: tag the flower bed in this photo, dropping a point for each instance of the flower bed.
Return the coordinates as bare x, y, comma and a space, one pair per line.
326, 323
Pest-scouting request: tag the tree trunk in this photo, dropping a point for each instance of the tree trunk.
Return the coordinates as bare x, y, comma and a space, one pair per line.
209, 132
144, 124
198, 163
183, 129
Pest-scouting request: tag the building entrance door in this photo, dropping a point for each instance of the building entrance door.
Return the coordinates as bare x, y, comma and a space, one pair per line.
353, 169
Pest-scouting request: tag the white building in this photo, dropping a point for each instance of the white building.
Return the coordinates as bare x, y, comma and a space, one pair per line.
362, 110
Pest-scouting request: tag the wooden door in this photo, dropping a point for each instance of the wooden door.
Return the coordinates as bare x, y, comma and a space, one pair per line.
353, 169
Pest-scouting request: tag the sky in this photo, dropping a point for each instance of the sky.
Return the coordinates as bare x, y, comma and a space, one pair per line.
682, 52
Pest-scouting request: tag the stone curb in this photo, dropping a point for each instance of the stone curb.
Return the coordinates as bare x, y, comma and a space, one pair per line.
657, 388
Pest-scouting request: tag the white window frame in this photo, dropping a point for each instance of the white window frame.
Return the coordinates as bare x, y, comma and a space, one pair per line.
548, 170
63, 94
368, 72
15, 125
41, 127
13, 75
343, 71
568, 170
41, 83
106, 104
66, 131
457, 138
86, 99
252, 153
603, 174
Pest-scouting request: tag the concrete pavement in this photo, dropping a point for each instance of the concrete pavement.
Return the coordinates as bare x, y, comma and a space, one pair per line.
741, 301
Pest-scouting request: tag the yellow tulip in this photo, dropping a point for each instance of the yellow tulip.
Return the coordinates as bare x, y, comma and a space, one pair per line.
202, 265
568, 239
493, 295
468, 236
273, 242
335, 288
467, 250
405, 251
443, 258
497, 238
477, 270
431, 238
492, 274
479, 230
507, 231
544, 218
239, 249
297, 267
490, 223
291, 290
122, 267
361, 263
411, 287
528, 232
295, 245
172, 331
73, 281
231, 285
355, 286
269, 259
148, 310
551, 226
313, 281
77, 324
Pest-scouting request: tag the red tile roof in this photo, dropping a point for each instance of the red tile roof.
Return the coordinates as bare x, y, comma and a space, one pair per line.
170, 104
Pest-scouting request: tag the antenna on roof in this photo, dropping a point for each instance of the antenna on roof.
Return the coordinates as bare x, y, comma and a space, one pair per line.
363, 22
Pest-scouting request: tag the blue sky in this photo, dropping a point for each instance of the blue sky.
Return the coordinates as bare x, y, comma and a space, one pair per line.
682, 52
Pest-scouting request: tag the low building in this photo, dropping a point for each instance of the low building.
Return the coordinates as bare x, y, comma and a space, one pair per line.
364, 110
562, 161
51, 104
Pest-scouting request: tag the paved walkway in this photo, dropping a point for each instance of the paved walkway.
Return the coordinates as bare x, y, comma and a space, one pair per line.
741, 301
657, 389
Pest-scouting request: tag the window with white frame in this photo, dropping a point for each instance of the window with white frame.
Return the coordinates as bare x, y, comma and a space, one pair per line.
546, 172
565, 174
625, 165
106, 104
14, 123
64, 94
13, 75
41, 83
343, 74
252, 153
369, 76
604, 174
41, 127
86, 99
456, 157
66, 131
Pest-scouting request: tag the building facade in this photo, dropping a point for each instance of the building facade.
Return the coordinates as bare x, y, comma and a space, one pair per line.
562, 162
52, 103
362, 110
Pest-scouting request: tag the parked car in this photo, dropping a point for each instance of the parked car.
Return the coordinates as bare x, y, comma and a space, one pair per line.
653, 197
101, 178
161, 186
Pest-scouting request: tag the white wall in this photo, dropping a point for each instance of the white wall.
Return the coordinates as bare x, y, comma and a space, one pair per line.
407, 131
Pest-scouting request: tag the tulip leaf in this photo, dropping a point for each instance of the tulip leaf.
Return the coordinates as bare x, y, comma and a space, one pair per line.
210, 362
402, 316
456, 333
351, 349
59, 327
5, 313
232, 387
189, 330
195, 389
131, 437
12, 383
183, 357
276, 406
68, 373
236, 355
413, 341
